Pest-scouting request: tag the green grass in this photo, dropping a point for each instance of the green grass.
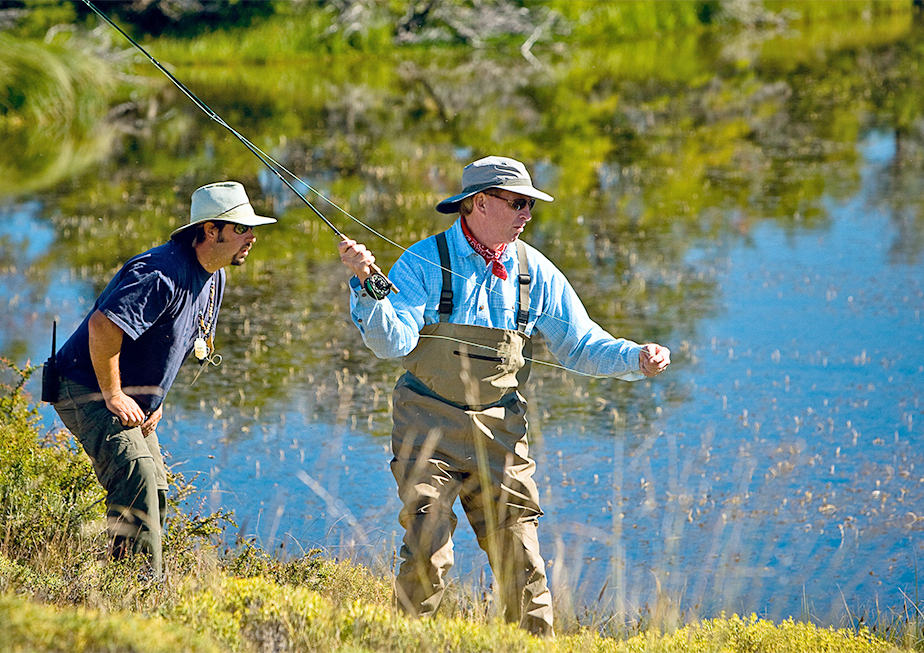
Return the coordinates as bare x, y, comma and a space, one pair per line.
256, 614
47, 85
31, 626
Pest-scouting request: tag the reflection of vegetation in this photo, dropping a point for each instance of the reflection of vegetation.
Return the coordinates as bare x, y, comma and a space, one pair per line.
646, 145
898, 93
51, 103
341, 26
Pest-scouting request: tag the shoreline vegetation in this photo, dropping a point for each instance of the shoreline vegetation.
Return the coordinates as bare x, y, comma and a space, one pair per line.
57, 594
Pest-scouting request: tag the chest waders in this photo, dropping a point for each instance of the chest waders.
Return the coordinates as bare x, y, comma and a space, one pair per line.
467, 365
460, 430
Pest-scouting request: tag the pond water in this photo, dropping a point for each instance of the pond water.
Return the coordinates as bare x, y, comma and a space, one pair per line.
777, 467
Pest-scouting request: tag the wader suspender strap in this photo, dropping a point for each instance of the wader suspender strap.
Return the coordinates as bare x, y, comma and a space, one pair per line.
446, 305
523, 278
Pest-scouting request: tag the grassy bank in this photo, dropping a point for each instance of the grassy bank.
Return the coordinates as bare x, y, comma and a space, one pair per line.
58, 593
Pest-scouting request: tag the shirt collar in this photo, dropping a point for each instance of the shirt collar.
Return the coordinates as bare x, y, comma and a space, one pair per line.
459, 244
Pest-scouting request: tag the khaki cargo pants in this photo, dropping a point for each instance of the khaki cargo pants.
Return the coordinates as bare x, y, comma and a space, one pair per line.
130, 468
442, 452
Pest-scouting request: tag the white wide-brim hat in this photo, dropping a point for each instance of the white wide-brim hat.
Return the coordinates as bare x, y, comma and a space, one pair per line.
226, 201
493, 172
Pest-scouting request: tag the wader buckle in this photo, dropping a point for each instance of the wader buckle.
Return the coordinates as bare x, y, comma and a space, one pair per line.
524, 279
445, 307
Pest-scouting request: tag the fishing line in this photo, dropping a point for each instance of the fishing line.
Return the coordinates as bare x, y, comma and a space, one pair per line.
264, 158
531, 360
276, 167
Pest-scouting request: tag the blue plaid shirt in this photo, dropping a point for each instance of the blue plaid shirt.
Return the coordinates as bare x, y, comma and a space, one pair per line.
390, 327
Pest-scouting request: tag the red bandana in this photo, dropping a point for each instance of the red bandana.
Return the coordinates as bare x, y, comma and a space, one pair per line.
491, 256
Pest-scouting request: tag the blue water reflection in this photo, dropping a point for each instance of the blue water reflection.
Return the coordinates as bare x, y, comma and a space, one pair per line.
33, 290
794, 474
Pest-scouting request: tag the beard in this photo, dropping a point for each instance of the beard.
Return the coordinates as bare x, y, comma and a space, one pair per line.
239, 258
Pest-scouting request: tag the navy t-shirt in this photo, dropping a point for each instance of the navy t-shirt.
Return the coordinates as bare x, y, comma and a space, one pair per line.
159, 299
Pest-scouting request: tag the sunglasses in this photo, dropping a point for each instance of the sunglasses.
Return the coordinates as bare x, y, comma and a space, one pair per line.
240, 229
518, 204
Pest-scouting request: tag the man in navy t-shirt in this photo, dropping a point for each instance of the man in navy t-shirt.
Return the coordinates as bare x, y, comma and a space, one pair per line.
118, 366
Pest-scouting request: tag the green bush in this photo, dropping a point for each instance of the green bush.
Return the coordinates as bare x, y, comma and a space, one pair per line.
54, 86
42, 15
257, 614
754, 634
48, 493
602, 22
53, 101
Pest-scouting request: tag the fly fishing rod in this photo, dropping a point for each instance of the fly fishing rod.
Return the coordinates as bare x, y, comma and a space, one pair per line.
264, 158
380, 282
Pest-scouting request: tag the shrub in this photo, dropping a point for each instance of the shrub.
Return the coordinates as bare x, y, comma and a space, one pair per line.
48, 493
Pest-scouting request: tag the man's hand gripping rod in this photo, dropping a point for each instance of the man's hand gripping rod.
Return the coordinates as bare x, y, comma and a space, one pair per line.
267, 160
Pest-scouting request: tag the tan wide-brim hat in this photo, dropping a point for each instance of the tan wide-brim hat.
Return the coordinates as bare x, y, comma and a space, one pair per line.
493, 172
226, 201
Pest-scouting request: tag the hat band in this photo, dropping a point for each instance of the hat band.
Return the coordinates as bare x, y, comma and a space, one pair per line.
203, 217
229, 210
477, 188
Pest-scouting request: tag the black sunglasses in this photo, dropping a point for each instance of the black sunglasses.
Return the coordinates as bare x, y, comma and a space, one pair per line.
239, 229
518, 204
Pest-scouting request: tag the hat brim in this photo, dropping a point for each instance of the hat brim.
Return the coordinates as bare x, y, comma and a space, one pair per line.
243, 214
451, 204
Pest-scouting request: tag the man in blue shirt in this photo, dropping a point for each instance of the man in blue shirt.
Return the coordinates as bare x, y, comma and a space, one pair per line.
117, 367
469, 300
